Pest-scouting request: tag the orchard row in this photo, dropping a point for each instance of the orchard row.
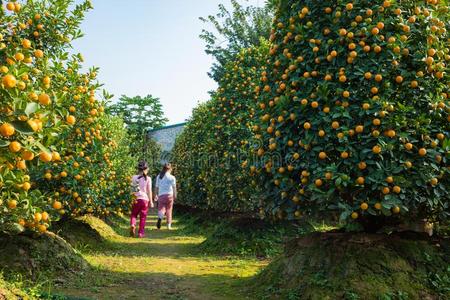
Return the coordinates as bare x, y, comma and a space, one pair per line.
60, 153
345, 110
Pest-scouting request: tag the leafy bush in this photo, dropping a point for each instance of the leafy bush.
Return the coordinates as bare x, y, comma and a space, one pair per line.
140, 115
189, 146
354, 110
210, 152
78, 186
57, 147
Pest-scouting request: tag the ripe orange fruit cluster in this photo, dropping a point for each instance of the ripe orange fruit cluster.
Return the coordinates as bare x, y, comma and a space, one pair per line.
369, 84
220, 130
51, 124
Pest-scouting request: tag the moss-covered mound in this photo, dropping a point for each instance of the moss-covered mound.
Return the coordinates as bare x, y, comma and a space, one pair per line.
84, 232
33, 255
236, 235
358, 266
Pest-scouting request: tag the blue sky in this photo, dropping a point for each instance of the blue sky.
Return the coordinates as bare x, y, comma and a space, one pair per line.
151, 47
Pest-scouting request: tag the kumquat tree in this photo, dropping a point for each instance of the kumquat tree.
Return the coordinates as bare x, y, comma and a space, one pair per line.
356, 102
51, 123
309, 160
211, 151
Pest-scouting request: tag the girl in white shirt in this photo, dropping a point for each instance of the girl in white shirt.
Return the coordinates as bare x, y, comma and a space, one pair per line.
166, 191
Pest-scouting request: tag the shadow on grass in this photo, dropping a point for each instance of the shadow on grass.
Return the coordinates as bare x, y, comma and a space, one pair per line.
147, 285
167, 266
132, 249
163, 242
121, 225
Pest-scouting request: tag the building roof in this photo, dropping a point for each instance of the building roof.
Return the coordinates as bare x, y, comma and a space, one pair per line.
167, 127
165, 136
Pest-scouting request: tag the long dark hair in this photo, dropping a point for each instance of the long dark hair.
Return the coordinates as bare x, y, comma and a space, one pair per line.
141, 167
166, 167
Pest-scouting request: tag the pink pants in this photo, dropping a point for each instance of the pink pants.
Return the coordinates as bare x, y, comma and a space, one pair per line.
140, 207
165, 205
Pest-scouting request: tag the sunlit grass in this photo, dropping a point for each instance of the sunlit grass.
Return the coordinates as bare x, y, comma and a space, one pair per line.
323, 227
126, 265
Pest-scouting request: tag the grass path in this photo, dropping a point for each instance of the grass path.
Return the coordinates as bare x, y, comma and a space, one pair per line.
164, 265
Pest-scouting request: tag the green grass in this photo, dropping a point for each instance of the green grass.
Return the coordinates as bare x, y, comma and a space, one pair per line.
240, 236
11, 290
16, 286
220, 258
165, 265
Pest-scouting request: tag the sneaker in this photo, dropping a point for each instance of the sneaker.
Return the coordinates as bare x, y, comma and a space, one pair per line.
158, 224
169, 226
133, 231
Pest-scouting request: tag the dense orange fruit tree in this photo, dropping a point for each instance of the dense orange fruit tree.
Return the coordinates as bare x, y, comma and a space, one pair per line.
354, 111
55, 140
186, 155
93, 174
212, 149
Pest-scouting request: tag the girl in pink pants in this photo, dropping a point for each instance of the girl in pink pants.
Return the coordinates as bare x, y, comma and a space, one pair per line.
166, 190
142, 192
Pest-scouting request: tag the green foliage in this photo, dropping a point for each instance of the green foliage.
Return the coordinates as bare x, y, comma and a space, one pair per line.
241, 28
140, 114
11, 290
238, 235
100, 190
272, 4
187, 165
154, 156
53, 119
143, 147
440, 282
209, 153
335, 136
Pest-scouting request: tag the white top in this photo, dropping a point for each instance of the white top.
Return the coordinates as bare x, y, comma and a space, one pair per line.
166, 184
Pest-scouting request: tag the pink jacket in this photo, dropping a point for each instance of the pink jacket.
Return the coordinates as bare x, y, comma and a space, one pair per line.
142, 186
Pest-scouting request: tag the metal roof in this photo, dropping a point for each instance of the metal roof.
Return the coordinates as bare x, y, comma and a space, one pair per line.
167, 127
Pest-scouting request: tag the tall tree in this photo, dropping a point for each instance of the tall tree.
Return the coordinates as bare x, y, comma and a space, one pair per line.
272, 4
141, 114
242, 27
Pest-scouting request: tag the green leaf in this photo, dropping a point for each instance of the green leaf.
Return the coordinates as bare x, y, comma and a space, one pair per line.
4, 143
22, 127
42, 147
344, 215
372, 212
31, 108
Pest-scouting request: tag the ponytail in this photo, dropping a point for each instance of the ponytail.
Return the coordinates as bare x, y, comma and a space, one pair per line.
164, 170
